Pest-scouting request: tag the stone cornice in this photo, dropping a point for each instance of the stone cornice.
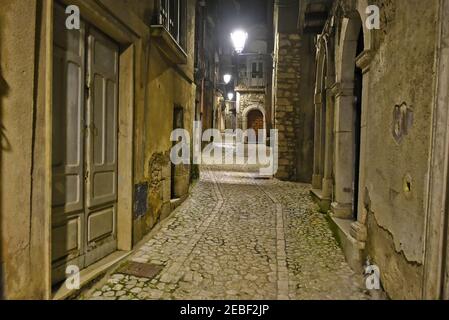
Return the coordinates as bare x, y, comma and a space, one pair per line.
250, 90
339, 89
363, 61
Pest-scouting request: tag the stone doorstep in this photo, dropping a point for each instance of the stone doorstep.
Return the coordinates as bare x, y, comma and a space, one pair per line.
91, 274
324, 203
352, 249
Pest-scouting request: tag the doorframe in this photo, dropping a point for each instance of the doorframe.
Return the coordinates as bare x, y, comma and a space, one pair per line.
130, 35
344, 129
436, 226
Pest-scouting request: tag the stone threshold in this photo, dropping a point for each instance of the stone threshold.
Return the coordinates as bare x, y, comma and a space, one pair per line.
352, 249
91, 274
324, 203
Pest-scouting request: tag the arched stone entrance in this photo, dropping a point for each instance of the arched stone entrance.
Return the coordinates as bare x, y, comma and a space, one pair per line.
324, 124
348, 111
254, 117
255, 120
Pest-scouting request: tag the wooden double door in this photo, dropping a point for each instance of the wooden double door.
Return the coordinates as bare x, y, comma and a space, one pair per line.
84, 149
256, 121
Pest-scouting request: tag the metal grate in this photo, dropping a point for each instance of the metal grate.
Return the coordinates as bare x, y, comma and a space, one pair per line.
141, 270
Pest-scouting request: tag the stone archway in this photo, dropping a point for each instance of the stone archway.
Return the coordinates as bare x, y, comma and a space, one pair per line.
253, 111
255, 120
324, 124
349, 99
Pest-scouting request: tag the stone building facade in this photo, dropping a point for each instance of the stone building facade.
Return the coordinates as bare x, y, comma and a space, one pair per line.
380, 160
286, 100
142, 59
86, 117
292, 87
247, 101
250, 85
206, 62
253, 85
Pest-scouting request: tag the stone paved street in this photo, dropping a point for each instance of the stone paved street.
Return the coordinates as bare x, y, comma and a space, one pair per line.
239, 237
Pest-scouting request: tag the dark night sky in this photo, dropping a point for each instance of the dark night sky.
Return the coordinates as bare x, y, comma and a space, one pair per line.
251, 12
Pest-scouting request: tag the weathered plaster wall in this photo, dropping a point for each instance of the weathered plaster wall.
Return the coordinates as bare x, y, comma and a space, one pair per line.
142, 9
167, 86
397, 118
402, 72
21, 243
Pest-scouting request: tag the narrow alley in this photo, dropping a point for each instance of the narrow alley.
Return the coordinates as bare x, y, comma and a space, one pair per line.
239, 237
109, 110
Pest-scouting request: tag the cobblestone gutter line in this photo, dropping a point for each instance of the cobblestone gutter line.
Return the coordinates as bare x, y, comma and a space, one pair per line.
281, 255
239, 237
173, 273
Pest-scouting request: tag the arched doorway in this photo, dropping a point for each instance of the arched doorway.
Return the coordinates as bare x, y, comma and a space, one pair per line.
348, 121
323, 179
255, 120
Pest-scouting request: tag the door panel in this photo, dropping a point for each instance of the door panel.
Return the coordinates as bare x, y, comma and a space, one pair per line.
67, 149
101, 151
102, 118
101, 224
68, 104
66, 239
84, 149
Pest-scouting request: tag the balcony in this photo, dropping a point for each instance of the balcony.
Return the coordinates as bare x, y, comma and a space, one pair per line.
316, 13
247, 81
168, 45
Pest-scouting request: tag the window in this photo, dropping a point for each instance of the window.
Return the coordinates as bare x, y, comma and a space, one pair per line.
172, 15
257, 70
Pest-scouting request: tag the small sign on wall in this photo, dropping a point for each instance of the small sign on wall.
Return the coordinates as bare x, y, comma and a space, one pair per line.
140, 200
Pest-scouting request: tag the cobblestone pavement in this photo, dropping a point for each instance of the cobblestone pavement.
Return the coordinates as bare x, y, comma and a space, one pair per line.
239, 237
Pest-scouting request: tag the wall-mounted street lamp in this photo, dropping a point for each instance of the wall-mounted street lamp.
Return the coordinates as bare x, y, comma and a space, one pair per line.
227, 78
230, 96
239, 38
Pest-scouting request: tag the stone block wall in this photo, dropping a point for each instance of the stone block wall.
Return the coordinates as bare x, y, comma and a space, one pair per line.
286, 103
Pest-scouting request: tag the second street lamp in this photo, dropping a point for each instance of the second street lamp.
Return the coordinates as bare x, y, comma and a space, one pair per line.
227, 78
239, 38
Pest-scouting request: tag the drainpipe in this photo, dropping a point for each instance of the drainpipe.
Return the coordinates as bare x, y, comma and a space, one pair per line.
202, 98
202, 58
